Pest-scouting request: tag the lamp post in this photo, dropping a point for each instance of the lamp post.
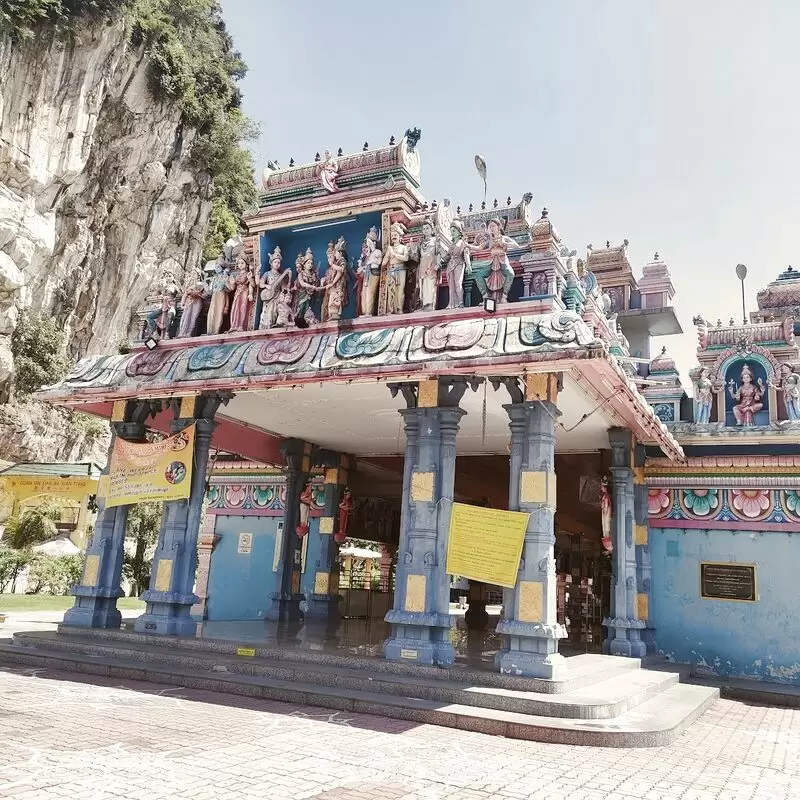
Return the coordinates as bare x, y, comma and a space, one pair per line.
741, 274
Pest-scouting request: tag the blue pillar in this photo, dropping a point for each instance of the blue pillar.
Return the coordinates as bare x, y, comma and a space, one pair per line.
420, 618
171, 594
641, 540
96, 595
529, 626
624, 629
286, 601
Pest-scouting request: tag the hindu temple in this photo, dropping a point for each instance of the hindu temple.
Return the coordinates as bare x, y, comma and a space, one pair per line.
363, 359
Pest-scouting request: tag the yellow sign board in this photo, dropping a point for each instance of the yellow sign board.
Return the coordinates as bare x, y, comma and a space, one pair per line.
485, 544
75, 488
150, 471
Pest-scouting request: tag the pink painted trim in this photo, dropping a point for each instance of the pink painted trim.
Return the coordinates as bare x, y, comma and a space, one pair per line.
253, 512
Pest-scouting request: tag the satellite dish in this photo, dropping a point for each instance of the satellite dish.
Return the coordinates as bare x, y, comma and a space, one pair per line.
741, 271
480, 165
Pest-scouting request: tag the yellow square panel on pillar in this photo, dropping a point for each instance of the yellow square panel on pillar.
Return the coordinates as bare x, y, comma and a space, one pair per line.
91, 570
428, 396
118, 412
531, 594
164, 575
326, 525
321, 583
422, 487
642, 606
187, 407
538, 487
332, 476
640, 534
415, 593
542, 386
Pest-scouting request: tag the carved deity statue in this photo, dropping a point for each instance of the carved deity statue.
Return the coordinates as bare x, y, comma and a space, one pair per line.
458, 264
369, 269
165, 322
428, 270
306, 286
396, 258
497, 284
748, 396
244, 294
703, 398
606, 513
335, 282
345, 509
790, 386
306, 500
284, 315
272, 283
328, 172
194, 290
220, 297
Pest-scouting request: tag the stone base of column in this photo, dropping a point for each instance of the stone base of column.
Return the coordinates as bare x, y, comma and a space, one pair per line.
649, 639
531, 650
324, 608
167, 614
624, 637
94, 609
419, 638
285, 607
476, 617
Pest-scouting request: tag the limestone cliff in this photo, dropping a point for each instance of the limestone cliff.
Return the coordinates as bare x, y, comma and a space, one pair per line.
97, 198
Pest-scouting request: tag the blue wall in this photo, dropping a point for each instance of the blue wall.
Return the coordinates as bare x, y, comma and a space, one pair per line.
240, 586
732, 639
354, 229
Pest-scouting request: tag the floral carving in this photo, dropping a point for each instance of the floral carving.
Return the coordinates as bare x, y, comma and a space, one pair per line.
700, 502
283, 351
658, 501
752, 503
150, 362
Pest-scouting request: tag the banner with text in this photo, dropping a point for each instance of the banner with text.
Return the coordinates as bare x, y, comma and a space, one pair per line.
486, 544
151, 471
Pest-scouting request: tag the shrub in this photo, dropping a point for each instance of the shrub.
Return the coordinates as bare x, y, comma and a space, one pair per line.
37, 345
35, 525
54, 574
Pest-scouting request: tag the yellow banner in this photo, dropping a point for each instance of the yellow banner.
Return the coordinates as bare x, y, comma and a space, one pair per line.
73, 487
485, 544
154, 471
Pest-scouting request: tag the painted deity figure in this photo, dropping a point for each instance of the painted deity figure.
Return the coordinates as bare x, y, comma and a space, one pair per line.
458, 264
369, 269
272, 283
284, 316
244, 294
306, 500
606, 513
396, 259
428, 270
790, 386
335, 282
169, 305
703, 398
497, 284
328, 172
306, 286
194, 290
748, 397
220, 298
345, 509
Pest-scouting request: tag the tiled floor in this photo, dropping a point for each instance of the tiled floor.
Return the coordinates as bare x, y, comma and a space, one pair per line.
64, 736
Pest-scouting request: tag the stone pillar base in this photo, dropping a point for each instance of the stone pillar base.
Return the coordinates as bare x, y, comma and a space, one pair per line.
476, 617
419, 638
285, 607
93, 611
624, 638
324, 608
168, 614
649, 639
532, 650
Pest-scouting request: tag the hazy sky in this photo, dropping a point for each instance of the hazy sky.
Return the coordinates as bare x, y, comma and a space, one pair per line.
673, 124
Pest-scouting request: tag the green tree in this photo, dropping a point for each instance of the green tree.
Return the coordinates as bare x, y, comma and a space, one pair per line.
36, 524
12, 562
54, 574
222, 226
144, 522
37, 345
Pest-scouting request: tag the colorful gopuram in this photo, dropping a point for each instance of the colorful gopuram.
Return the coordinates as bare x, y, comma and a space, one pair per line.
364, 357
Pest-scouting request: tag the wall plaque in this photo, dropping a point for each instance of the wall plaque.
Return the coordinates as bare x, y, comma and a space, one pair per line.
728, 581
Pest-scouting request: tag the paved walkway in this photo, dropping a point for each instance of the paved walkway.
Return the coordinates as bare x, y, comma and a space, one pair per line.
65, 737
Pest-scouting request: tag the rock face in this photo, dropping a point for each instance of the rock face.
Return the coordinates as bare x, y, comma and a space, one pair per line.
96, 189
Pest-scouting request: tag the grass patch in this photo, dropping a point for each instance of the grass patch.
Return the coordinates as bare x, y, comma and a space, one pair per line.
10, 603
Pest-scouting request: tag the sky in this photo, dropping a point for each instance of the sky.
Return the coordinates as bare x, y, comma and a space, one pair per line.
670, 123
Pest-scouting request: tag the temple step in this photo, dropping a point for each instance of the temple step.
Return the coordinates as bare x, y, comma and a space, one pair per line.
653, 709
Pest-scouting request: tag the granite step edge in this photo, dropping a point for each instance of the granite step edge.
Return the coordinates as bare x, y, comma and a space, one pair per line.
601, 733
609, 698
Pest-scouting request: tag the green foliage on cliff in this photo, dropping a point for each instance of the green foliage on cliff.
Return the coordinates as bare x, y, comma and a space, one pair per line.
37, 345
192, 62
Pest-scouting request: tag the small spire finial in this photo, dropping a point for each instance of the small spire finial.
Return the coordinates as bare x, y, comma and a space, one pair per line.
483, 206
545, 213
470, 208
291, 162
366, 146
317, 157
508, 201
391, 142
655, 257
608, 244
495, 203
664, 350
458, 210
339, 152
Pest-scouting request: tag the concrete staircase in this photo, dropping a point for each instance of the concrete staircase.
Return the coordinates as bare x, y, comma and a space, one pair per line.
604, 701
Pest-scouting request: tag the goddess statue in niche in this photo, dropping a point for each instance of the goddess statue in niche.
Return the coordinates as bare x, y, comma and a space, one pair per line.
748, 397
396, 258
428, 270
194, 289
335, 282
220, 297
244, 290
273, 282
458, 264
497, 284
306, 286
606, 513
703, 398
169, 305
790, 386
369, 269
328, 172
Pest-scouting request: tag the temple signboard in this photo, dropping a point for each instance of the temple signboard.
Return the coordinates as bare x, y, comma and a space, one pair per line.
728, 581
150, 471
485, 544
